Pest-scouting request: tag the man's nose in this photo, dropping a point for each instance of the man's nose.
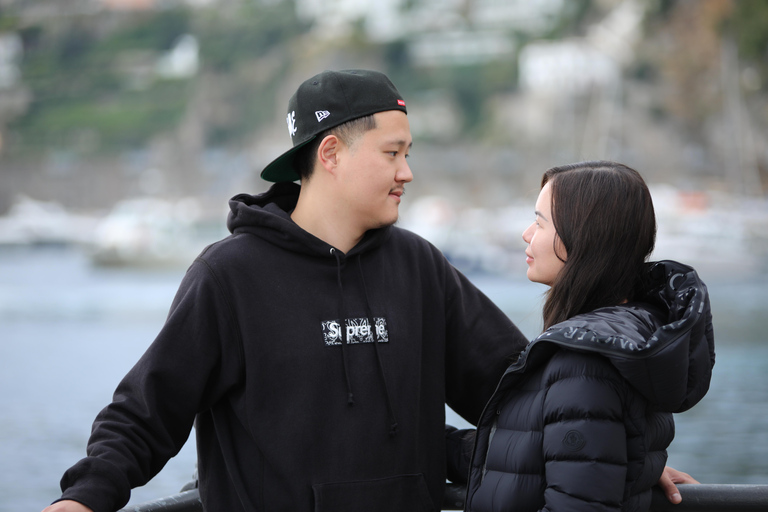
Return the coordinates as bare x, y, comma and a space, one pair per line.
404, 174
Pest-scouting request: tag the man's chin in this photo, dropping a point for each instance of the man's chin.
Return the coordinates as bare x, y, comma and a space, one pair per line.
387, 223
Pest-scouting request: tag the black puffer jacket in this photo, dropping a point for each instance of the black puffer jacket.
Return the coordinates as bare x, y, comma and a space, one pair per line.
583, 419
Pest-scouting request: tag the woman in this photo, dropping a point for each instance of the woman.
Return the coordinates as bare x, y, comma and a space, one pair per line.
582, 420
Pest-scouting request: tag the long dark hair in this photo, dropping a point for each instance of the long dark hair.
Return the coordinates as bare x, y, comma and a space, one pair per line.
603, 215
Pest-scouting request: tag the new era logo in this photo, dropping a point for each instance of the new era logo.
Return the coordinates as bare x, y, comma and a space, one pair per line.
321, 114
291, 120
401, 103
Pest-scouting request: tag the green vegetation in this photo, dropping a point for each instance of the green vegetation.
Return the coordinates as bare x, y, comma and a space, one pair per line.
87, 89
244, 54
94, 89
107, 124
747, 26
229, 40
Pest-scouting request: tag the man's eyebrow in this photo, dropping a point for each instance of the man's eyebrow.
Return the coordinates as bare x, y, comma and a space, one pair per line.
401, 142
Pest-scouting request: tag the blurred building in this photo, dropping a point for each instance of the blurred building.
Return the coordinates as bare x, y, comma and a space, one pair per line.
10, 53
576, 65
438, 32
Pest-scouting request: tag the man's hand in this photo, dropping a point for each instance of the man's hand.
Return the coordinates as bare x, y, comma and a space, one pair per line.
67, 506
667, 482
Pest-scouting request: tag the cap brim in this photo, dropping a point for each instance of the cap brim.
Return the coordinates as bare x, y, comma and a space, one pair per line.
283, 168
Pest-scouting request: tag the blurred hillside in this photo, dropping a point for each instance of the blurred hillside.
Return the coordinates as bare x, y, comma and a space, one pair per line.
102, 100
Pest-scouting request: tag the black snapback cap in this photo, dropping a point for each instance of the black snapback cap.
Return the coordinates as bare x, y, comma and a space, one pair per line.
327, 100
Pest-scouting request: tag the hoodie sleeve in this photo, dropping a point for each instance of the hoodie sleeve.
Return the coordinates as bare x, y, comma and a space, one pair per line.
481, 342
458, 449
193, 361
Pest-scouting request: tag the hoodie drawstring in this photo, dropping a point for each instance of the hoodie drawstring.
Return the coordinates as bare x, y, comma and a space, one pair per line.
342, 309
393, 421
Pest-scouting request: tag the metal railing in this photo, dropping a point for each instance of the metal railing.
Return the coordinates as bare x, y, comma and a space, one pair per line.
714, 498
696, 498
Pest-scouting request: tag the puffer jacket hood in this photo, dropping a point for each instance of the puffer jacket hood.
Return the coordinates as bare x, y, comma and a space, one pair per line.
666, 353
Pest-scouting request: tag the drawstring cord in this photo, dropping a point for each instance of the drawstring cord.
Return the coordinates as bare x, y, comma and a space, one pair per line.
393, 421
393, 427
342, 309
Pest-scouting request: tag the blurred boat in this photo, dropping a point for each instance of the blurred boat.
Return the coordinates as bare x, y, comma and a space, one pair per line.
33, 222
152, 232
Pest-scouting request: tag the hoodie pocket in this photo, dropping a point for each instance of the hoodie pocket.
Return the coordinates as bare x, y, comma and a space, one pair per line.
403, 492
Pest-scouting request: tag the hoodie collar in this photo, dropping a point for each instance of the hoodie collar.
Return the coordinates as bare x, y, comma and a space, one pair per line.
268, 215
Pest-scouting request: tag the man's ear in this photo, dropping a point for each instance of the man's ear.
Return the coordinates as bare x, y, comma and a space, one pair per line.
328, 152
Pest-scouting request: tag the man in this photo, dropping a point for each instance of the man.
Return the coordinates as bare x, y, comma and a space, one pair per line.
314, 348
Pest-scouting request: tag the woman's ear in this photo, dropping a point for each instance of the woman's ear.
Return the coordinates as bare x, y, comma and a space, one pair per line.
560, 251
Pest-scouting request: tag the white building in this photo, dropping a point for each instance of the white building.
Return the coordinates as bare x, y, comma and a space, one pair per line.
387, 20
576, 65
181, 61
10, 53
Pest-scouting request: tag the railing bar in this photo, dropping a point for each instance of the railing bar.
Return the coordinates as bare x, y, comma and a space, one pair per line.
696, 498
714, 498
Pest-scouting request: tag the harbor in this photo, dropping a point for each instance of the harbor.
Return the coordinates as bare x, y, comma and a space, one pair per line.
71, 329
126, 125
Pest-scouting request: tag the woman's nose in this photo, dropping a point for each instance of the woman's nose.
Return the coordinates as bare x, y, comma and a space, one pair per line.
527, 233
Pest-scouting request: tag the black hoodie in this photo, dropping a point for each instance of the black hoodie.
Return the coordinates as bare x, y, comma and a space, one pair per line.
582, 420
298, 403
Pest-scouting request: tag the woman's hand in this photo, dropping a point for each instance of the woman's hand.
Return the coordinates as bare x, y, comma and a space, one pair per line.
667, 482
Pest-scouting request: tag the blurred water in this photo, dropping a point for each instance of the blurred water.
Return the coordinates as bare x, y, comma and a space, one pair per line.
69, 331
